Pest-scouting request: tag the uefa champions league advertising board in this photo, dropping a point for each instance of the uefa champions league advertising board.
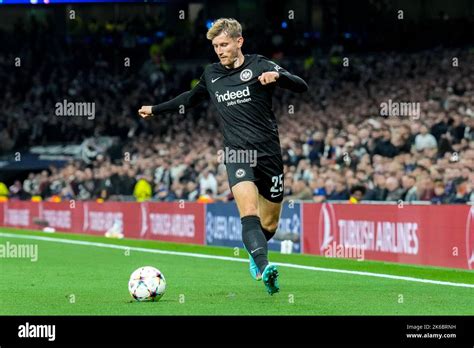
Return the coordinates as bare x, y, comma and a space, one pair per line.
223, 227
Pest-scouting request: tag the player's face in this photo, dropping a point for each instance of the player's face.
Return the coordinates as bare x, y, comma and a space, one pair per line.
227, 48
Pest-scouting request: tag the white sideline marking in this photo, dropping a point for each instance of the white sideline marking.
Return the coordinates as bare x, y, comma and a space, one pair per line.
226, 258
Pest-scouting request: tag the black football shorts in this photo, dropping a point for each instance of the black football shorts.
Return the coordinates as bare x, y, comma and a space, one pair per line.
266, 172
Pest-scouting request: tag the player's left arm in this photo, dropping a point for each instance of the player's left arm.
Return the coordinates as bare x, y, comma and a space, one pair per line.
276, 74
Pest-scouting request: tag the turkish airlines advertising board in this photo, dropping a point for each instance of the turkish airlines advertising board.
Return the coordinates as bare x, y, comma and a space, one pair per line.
437, 235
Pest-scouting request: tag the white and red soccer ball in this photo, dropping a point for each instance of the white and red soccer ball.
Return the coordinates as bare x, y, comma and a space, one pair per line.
147, 284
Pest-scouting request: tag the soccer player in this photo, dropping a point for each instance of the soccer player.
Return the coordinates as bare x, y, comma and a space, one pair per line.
241, 88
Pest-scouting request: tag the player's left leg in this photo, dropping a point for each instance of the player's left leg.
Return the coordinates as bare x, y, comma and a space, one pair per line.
246, 198
242, 182
269, 213
270, 185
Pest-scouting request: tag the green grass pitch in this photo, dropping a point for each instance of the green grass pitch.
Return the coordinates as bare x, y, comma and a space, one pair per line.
78, 279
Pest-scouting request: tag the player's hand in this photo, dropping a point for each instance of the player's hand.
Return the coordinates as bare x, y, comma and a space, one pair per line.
268, 77
145, 111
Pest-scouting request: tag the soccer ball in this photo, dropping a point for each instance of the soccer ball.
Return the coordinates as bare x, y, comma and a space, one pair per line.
147, 284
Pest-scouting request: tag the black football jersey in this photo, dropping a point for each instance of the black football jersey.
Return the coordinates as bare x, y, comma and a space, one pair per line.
243, 103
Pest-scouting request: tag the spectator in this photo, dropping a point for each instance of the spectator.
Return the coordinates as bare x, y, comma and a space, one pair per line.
143, 190
207, 181
357, 193
301, 191
440, 196
207, 197
462, 194
425, 140
411, 191
339, 193
3, 191
319, 192
394, 192
16, 190
379, 191
384, 146
192, 191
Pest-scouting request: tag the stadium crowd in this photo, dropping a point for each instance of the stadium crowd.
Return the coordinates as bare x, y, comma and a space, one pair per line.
337, 143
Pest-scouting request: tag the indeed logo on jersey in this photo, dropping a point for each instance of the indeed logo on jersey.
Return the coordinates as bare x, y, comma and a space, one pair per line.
233, 98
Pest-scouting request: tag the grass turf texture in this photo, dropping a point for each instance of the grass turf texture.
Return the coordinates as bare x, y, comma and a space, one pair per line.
97, 279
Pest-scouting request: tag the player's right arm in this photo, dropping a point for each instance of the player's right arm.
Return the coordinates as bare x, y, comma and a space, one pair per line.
187, 100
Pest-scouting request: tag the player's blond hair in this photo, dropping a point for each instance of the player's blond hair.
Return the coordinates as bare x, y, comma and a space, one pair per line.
230, 26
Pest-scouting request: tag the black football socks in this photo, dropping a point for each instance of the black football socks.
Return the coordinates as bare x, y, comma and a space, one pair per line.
268, 235
255, 241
